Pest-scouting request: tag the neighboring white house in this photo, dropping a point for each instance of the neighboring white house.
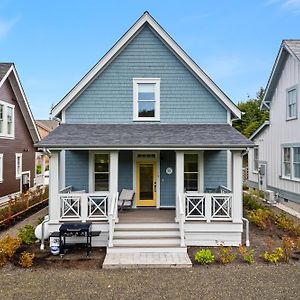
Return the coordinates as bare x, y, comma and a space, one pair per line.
275, 163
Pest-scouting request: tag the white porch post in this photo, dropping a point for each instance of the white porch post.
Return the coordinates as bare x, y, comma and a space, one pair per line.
237, 172
113, 172
179, 179
54, 201
229, 169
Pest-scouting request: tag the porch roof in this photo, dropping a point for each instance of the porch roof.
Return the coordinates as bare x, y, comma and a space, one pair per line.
144, 136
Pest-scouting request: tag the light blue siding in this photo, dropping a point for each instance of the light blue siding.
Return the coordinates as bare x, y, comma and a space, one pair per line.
167, 182
109, 98
125, 170
215, 169
77, 170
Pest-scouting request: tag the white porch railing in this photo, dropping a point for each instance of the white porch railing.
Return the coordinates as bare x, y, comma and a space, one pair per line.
208, 207
82, 206
112, 218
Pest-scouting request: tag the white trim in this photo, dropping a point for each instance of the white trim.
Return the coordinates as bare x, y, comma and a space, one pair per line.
18, 155
113, 52
292, 169
62, 169
21, 179
5, 134
1, 167
229, 169
259, 129
12, 70
288, 90
136, 82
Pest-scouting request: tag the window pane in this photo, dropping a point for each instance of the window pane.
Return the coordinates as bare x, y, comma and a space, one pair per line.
9, 120
191, 163
146, 108
297, 154
287, 169
1, 118
146, 91
102, 182
297, 170
101, 163
191, 181
287, 154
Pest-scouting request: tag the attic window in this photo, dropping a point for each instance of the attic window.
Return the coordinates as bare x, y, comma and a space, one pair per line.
146, 99
6, 120
292, 104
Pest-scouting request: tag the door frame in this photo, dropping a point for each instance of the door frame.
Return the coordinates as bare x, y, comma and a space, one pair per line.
21, 179
134, 168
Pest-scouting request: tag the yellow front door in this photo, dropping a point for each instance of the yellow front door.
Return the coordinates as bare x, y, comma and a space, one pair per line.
146, 183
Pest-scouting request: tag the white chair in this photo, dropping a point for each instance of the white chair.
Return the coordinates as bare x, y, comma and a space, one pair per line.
126, 198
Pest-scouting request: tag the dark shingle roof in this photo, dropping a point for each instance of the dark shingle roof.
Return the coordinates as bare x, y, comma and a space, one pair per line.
144, 135
4, 67
294, 45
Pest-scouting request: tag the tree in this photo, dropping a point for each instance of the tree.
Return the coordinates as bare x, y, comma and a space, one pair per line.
252, 117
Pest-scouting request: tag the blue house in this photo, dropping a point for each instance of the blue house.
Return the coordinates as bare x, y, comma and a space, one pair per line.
147, 118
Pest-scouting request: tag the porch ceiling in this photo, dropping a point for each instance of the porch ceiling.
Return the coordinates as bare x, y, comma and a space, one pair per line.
145, 136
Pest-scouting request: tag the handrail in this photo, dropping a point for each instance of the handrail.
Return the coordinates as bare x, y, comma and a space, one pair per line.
65, 190
181, 220
224, 189
112, 217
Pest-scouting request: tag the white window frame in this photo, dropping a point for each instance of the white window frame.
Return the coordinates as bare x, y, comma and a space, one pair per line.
1, 167
200, 179
255, 160
136, 82
288, 117
292, 163
4, 133
19, 156
92, 171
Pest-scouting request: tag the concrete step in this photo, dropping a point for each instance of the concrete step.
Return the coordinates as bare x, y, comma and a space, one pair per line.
145, 249
150, 242
145, 234
147, 260
146, 226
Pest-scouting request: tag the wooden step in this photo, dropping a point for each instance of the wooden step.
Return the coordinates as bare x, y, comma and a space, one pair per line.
145, 249
150, 242
146, 234
138, 226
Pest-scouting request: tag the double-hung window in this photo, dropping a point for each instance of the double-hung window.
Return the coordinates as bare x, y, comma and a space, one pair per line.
18, 165
292, 104
191, 173
6, 120
291, 162
101, 172
146, 96
255, 160
1, 167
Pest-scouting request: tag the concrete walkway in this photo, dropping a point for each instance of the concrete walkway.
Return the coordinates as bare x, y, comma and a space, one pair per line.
31, 220
146, 260
288, 210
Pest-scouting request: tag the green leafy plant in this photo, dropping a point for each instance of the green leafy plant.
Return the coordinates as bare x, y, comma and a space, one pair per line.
226, 255
204, 257
283, 222
247, 255
26, 234
261, 217
273, 257
250, 203
26, 259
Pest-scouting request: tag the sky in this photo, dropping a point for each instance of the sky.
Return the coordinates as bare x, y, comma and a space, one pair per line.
55, 43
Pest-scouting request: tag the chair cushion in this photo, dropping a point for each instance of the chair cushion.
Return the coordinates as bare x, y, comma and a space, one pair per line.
126, 195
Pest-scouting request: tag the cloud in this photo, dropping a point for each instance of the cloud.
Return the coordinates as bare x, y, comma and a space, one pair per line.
288, 5
6, 26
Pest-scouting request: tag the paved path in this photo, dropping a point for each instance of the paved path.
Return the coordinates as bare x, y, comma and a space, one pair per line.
259, 281
32, 220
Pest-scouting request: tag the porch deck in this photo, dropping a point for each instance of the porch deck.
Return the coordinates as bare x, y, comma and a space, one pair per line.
147, 215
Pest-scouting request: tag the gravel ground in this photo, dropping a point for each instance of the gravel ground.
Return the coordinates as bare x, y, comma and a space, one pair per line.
213, 282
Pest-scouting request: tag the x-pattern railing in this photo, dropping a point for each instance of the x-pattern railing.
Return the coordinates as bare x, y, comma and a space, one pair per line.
221, 206
70, 207
97, 207
195, 206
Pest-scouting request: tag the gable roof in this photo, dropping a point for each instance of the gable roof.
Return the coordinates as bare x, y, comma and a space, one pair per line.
9, 72
146, 18
259, 130
134, 136
48, 125
287, 47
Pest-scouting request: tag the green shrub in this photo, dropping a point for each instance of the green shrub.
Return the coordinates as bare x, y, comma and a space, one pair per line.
204, 257
26, 234
38, 169
247, 255
251, 204
273, 257
261, 217
226, 255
